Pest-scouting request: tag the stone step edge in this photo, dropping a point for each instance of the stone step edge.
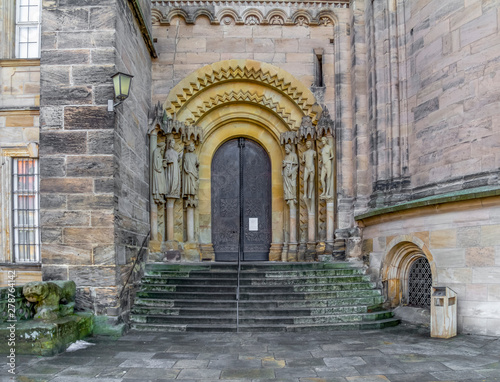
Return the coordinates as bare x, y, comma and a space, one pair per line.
205, 317
259, 286
277, 326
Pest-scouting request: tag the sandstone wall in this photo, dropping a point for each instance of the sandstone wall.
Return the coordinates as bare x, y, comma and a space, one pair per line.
433, 97
433, 120
93, 182
131, 149
463, 247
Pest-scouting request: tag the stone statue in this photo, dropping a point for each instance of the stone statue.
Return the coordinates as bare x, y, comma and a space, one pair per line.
308, 160
173, 176
289, 172
53, 299
326, 169
190, 175
159, 180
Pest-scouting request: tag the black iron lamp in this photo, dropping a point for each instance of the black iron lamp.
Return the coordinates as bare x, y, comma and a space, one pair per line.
121, 85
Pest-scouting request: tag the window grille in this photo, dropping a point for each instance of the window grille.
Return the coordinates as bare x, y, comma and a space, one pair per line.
28, 29
419, 283
25, 208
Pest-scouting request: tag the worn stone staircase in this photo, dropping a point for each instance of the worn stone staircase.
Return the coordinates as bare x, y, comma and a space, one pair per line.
273, 297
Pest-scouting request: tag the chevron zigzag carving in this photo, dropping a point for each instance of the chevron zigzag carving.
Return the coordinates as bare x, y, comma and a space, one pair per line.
225, 72
241, 96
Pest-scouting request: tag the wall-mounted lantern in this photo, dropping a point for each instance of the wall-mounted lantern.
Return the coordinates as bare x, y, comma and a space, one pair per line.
121, 85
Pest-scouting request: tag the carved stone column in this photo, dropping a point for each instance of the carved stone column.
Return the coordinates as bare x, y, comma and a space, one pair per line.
153, 141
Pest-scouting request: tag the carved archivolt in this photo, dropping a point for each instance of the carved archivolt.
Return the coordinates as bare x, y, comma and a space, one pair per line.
242, 70
302, 13
241, 96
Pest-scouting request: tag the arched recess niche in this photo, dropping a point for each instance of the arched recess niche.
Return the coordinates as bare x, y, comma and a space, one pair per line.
401, 253
241, 98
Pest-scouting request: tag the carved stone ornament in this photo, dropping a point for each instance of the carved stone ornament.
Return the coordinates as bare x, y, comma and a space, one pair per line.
252, 20
289, 172
309, 160
326, 169
325, 21
53, 299
172, 170
276, 20
307, 129
302, 21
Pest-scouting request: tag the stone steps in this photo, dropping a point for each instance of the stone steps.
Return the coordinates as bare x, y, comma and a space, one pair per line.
273, 297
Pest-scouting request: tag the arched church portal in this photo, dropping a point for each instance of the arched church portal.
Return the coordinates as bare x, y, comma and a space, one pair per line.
203, 124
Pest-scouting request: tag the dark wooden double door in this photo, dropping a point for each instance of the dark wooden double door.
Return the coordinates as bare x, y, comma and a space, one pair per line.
241, 201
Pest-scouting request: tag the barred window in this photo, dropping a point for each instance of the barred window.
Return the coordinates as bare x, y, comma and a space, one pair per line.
25, 208
28, 29
419, 283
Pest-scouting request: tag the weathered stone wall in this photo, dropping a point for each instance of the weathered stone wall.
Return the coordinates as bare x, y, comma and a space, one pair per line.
462, 245
433, 97
93, 172
131, 149
453, 95
433, 119
76, 148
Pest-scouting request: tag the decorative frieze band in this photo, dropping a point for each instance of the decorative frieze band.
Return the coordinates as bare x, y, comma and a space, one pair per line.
249, 12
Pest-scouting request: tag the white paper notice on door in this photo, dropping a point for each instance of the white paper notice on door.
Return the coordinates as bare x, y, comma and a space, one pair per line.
253, 224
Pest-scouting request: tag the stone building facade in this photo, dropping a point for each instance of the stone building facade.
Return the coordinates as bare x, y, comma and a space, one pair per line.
378, 119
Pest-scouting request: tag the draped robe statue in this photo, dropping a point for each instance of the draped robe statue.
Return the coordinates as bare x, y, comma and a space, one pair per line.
173, 175
190, 176
159, 180
289, 172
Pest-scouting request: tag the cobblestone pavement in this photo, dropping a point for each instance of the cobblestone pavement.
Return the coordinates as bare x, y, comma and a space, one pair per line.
397, 354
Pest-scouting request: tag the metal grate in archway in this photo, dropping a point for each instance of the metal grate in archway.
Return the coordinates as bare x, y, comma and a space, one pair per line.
419, 283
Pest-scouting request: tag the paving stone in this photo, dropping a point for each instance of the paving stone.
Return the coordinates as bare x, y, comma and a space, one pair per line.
248, 374
199, 374
459, 375
154, 374
295, 372
191, 364
235, 364
344, 361
148, 363
368, 378
307, 362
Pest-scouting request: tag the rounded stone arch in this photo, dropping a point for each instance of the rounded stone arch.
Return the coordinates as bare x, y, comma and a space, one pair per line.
399, 256
248, 75
301, 17
206, 13
241, 98
229, 12
328, 15
178, 12
252, 12
277, 12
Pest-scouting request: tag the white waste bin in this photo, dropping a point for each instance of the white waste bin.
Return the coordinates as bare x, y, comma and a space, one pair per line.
443, 312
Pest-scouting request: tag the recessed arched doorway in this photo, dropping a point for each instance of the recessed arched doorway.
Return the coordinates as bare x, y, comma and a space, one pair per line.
241, 201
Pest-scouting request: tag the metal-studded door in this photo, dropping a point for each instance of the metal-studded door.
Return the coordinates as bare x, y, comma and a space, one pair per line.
241, 201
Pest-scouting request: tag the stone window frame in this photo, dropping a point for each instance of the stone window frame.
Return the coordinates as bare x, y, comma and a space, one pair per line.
7, 154
30, 24
401, 253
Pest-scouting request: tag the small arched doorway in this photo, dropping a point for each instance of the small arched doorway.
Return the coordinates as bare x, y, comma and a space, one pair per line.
241, 201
